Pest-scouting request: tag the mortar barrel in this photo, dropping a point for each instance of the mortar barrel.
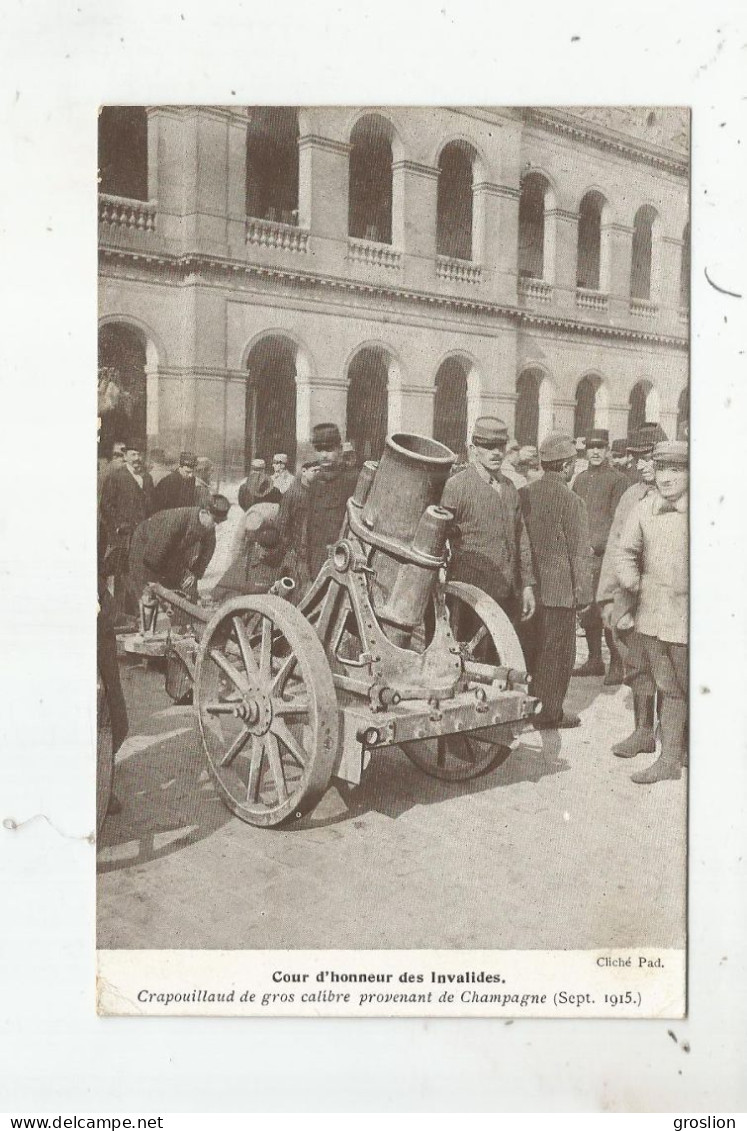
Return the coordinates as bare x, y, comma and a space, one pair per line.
410, 478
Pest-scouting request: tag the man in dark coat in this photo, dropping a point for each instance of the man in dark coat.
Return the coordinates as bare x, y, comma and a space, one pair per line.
326, 501
256, 483
489, 543
127, 498
558, 529
601, 487
177, 489
174, 547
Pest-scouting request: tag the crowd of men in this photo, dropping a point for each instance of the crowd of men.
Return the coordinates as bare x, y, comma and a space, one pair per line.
568, 532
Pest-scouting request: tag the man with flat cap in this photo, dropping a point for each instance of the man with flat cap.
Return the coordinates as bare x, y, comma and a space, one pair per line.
652, 572
610, 599
325, 503
174, 547
558, 528
177, 489
489, 543
601, 487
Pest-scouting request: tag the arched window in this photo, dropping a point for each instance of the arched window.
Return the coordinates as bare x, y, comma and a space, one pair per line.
643, 406
450, 405
454, 202
534, 246
122, 400
589, 257
370, 192
272, 164
123, 152
367, 402
526, 428
685, 269
644, 251
270, 421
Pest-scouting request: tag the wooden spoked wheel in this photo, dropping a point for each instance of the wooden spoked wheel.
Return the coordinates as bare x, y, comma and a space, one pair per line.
485, 635
267, 709
104, 754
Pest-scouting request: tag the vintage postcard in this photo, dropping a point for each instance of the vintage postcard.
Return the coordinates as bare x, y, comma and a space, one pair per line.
393, 428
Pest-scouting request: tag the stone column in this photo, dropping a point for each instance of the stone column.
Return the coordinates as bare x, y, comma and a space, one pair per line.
495, 238
414, 200
565, 252
235, 424
669, 264
618, 421
620, 239
236, 186
323, 187
416, 409
564, 415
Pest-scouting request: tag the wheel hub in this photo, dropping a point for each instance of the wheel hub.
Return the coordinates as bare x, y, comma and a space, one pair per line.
255, 711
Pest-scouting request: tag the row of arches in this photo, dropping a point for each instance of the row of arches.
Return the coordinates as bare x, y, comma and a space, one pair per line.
276, 367
272, 193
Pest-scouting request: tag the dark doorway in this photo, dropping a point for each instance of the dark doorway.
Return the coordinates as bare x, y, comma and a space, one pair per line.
123, 152
370, 190
584, 416
527, 406
637, 406
367, 408
272, 164
122, 395
271, 401
454, 203
450, 406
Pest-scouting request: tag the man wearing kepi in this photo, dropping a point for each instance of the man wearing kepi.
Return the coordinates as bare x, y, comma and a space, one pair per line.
601, 487
652, 565
326, 500
489, 543
613, 603
558, 529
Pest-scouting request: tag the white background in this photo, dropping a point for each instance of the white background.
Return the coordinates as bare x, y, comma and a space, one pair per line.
58, 61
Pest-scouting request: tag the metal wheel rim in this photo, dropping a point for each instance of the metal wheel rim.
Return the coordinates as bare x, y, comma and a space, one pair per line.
276, 763
461, 757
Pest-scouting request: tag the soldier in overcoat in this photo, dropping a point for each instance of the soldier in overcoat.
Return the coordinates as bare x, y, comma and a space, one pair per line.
558, 528
127, 498
325, 504
177, 489
652, 569
601, 487
488, 541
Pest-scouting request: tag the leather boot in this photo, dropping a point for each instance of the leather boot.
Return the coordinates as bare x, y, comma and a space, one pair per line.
668, 766
616, 673
642, 740
595, 664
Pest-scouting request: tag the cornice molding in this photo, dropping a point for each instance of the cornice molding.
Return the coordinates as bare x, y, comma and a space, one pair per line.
187, 266
317, 141
493, 189
417, 169
613, 143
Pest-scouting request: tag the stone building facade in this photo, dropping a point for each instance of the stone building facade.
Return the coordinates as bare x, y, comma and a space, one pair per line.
390, 269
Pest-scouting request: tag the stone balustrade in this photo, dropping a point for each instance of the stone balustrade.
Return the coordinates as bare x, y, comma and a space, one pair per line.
591, 300
460, 270
536, 289
134, 215
273, 233
374, 254
643, 308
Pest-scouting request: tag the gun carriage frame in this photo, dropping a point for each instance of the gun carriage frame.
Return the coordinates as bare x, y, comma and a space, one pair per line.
380, 652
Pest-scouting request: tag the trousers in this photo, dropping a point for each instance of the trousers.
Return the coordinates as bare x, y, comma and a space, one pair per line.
636, 662
668, 664
549, 642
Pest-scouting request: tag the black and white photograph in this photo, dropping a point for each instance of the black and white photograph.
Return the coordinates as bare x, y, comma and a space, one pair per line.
393, 419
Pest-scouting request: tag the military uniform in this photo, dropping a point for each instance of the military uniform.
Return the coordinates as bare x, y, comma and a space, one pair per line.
558, 529
601, 488
176, 490
652, 568
124, 504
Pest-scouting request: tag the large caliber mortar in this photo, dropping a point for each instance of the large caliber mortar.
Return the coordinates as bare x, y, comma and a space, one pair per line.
395, 510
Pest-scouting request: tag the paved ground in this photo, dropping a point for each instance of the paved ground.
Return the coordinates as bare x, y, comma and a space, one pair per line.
555, 849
